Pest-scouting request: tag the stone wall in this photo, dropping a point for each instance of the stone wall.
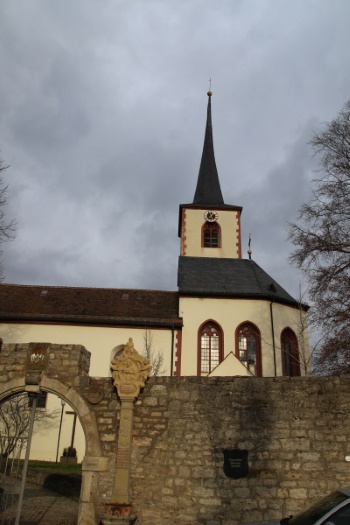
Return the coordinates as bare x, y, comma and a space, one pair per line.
296, 431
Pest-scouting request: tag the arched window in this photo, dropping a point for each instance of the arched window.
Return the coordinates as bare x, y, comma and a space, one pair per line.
211, 235
290, 353
209, 347
248, 347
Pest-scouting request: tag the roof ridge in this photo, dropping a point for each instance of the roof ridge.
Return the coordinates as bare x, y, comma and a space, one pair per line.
49, 286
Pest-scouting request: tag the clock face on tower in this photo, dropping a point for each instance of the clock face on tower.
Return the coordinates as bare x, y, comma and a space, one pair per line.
211, 216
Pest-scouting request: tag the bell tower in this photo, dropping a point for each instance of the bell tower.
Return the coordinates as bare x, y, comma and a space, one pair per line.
208, 227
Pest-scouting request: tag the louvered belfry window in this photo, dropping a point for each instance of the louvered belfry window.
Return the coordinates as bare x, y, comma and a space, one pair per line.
211, 235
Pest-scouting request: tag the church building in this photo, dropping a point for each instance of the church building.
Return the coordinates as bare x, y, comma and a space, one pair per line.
228, 317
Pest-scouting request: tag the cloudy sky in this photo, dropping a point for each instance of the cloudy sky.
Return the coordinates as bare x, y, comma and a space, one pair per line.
103, 107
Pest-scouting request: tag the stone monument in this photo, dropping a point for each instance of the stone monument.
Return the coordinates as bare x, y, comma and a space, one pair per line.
130, 372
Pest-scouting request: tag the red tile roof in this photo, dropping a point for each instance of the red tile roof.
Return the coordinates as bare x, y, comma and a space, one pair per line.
88, 305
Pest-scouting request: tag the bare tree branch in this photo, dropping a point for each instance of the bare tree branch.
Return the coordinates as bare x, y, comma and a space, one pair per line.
7, 227
322, 240
15, 420
155, 357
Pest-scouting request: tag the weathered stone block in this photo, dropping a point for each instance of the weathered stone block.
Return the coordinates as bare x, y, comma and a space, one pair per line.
298, 493
151, 401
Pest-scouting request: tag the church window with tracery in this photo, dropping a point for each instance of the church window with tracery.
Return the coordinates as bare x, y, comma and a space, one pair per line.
290, 353
210, 348
248, 348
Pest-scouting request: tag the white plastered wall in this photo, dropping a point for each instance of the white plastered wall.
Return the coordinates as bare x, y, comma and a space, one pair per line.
192, 231
229, 314
45, 444
230, 366
100, 341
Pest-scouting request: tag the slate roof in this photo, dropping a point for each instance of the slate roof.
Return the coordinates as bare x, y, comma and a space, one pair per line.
208, 189
241, 278
101, 306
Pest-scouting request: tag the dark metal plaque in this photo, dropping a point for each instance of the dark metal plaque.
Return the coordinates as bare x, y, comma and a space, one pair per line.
236, 463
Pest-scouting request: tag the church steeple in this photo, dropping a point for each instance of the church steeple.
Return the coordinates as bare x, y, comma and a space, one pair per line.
208, 189
208, 227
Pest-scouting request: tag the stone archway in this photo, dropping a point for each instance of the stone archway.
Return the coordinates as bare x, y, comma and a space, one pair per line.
68, 382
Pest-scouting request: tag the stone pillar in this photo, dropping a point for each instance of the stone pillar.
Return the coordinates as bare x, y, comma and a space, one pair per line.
92, 466
130, 371
121, 492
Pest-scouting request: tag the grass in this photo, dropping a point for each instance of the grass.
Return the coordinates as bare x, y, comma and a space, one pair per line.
51, 466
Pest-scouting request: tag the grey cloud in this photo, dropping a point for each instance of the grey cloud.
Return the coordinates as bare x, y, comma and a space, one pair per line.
103, 115
274, 202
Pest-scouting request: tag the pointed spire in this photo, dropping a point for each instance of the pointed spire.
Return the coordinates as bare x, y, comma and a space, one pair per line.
208, 189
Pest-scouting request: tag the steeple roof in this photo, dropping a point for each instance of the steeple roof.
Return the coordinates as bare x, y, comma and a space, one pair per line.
239, 278
208, 189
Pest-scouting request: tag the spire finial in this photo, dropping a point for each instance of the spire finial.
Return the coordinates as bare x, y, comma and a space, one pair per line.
249, 252
209, 92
